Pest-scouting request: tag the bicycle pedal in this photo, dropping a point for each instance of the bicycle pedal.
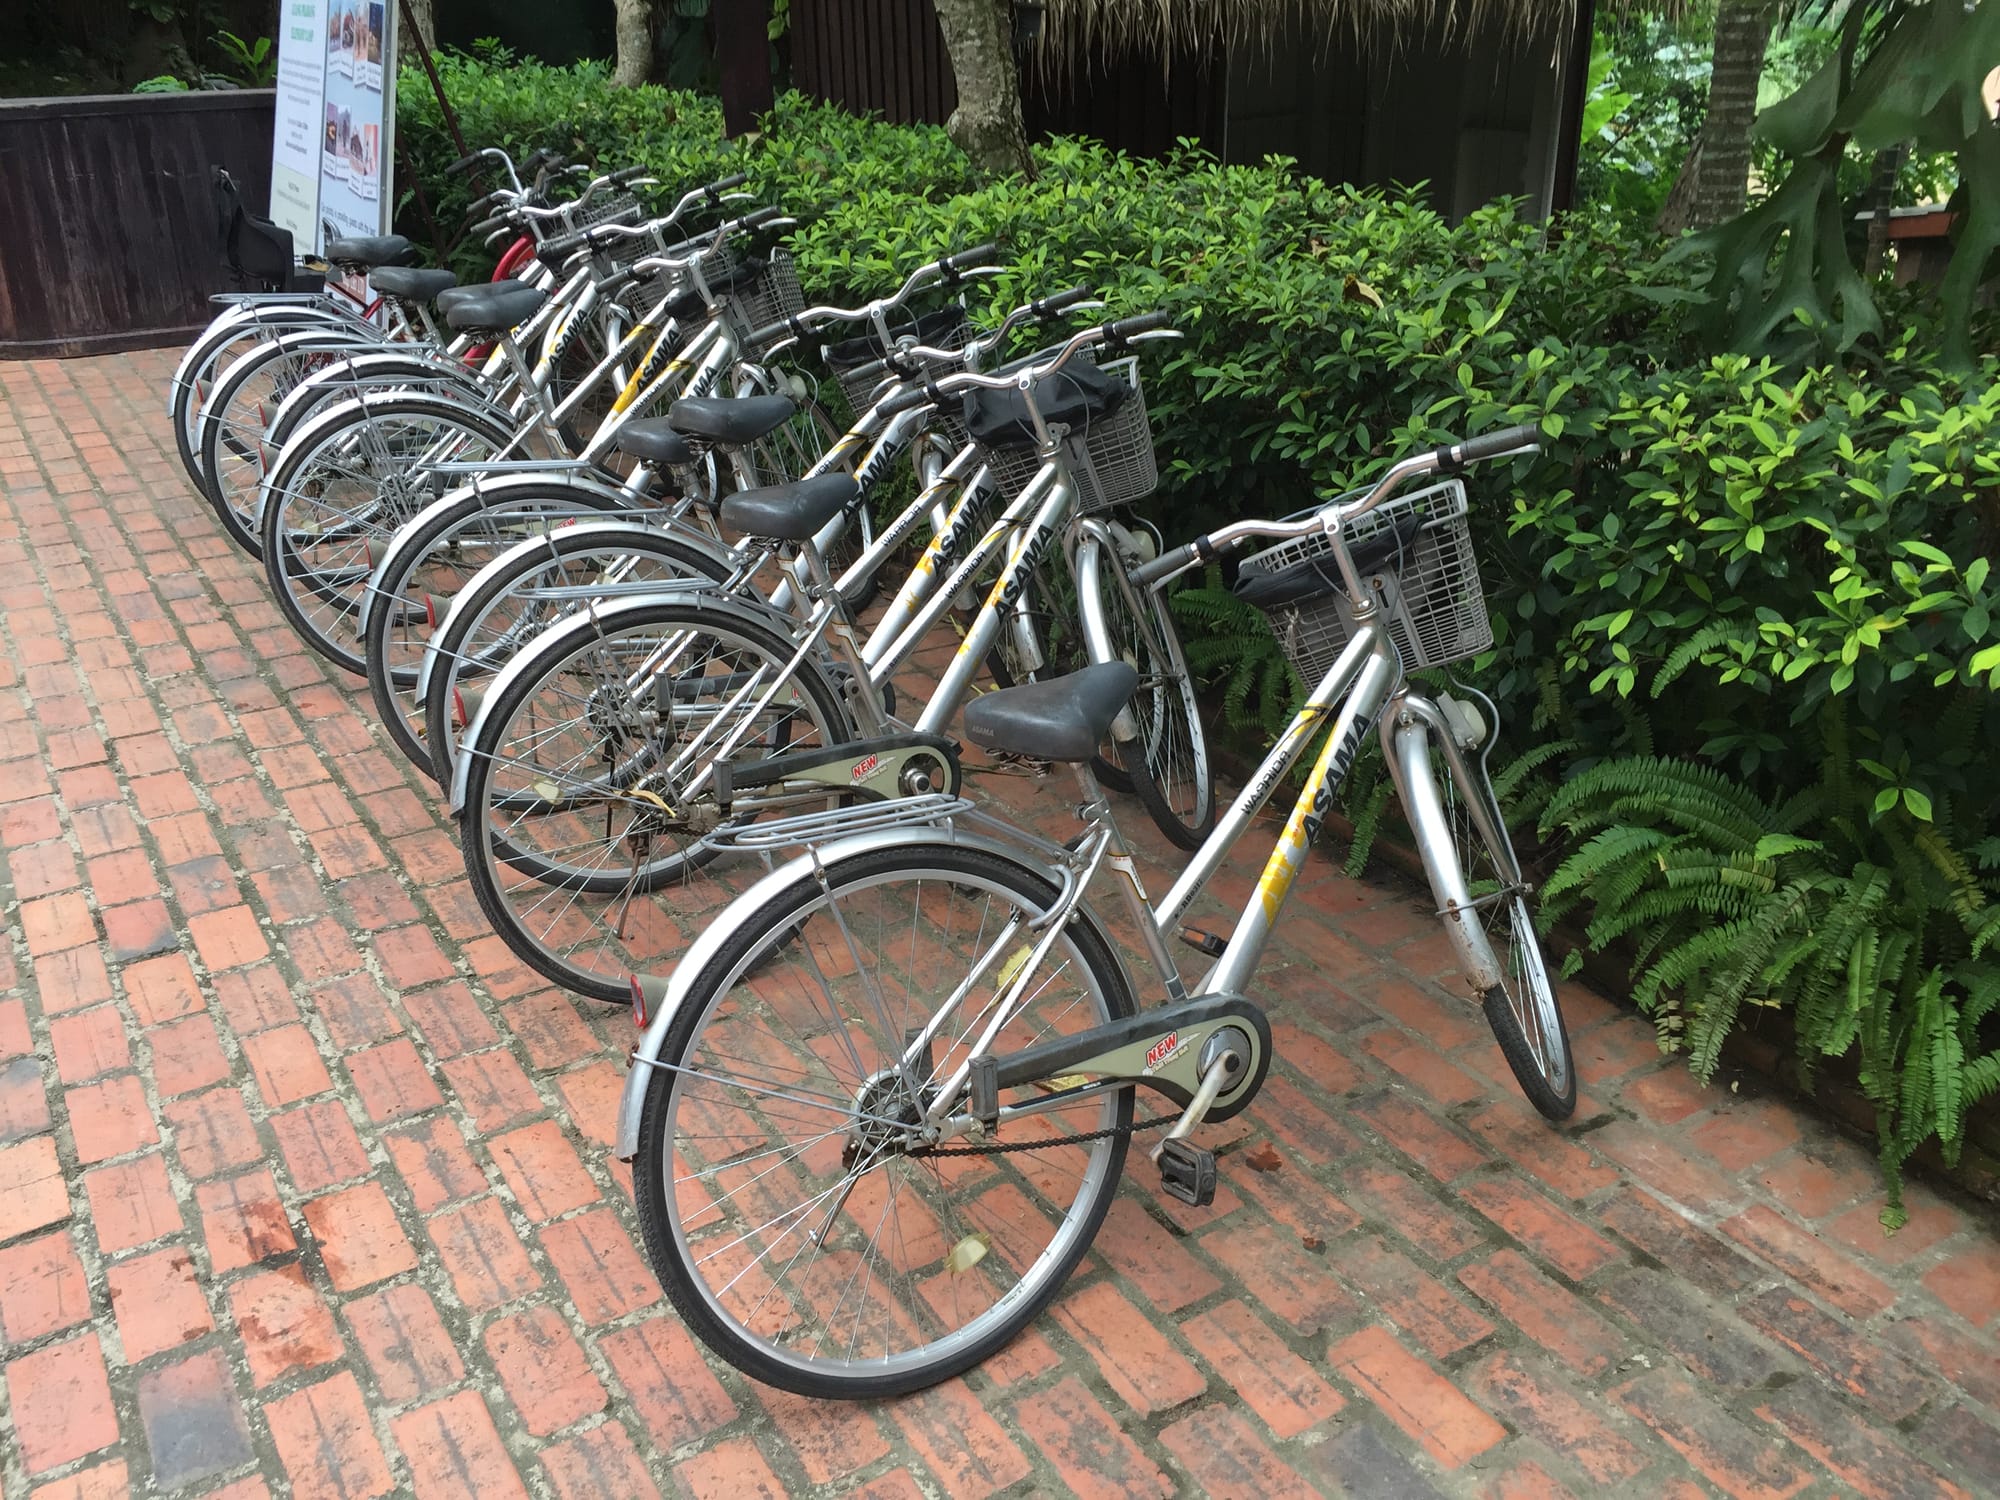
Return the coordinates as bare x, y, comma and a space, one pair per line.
1187, 1172
1203, 942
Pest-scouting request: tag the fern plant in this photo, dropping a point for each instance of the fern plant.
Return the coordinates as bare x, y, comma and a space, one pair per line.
1851, 912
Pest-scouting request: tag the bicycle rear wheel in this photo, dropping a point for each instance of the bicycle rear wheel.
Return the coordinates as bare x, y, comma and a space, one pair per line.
1463, 842
789, 1221
589, 794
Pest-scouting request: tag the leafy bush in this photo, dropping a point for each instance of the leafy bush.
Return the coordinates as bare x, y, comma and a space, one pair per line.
1778, 573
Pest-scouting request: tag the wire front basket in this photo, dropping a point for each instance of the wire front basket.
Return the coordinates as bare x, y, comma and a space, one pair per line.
1111, 460
772, 293
1438, 614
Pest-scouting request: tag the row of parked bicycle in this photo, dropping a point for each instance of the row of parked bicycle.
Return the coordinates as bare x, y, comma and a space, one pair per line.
625, 585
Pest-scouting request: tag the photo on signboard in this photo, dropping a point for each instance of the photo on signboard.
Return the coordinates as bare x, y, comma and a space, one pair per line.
367, 182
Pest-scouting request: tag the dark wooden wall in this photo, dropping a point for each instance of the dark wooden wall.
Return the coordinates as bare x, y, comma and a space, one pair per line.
108, 221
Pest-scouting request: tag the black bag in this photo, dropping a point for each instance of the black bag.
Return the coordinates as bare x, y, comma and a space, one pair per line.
256, 252
1075, 395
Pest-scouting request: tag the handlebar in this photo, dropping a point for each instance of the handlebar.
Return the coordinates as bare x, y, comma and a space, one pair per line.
953, 266
1449, 458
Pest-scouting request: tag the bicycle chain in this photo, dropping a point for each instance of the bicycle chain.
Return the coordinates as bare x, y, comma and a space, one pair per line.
1000, 1148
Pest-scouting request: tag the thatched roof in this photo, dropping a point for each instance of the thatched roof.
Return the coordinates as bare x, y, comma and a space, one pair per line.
1073, 26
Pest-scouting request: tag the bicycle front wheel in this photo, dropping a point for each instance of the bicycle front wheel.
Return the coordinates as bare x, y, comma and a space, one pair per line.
1158, 739
793, 1223
1477, 882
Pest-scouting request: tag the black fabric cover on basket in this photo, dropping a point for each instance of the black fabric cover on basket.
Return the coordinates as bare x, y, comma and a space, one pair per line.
1075, 396
932, 329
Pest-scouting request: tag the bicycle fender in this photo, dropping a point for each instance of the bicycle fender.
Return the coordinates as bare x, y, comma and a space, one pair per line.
561, 637
665, 997
378, 366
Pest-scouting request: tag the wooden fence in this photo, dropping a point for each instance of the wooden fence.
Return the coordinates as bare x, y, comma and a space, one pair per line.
107, 222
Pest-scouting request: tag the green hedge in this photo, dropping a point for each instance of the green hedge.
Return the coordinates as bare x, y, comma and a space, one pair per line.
1713, 560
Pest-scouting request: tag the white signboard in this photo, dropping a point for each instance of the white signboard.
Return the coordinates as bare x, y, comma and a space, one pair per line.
334, 139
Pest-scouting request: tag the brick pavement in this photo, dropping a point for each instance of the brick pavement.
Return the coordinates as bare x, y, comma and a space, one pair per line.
304, 1183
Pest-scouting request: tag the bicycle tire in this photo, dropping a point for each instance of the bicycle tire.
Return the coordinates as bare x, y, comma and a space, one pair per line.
540, 761
470, 617
1522, 1010
1161, 743
470, 519
377, 506
776, 941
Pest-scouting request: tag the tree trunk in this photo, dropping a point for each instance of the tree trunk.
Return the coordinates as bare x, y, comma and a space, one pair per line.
986, 126
635, 42
424, 13
1714, 183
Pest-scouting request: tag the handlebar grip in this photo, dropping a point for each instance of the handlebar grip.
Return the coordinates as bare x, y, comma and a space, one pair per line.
758, 218
786, 327
467, 163
562, 246
908, 400
1049, 306
479, 205
1453, 457
1130, 328
626, 174
965, 260
722, 185
486, 226
1172, 561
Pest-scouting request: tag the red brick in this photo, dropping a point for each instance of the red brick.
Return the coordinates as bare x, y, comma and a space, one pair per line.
1415, 1397
435, 1162
1439, 1229
1528, 1395
492, 1088
213, 1132
187, 1056
1529, 1481
284, 1322
1306, 1132
1858, 1363
1742, 1133
970, 1453
15, 1038
454, 1449
56, 923
1707, 1339
321, 949
42, 1288
1290, 1281
161, 989
228, 939
123, 876
131, 1204
482, 1254
60, 1403
832, 1438
42, 870
392, 1082
32, 1190
105, 1482
1735, 1460
110, 1118
319, 1145
1091, 1453
1668, 1096
1422, 1066
1283, 1390
544, 1171
596, 1463
1440, 1151
734, 1470
24, 1100
1960, 1356
1931, 1222
405, 1342
255, 999
1967, 1282
547, 1027
1414, 1300
1870, 1464
411, 957
544, 1370
158, 1301
1224, 1457
359, 1238
670, 1387
328, 1447
1553, 1318
1811, 1189
1513, 1130
1570, 1247
139, 928
592, 1094
603, 1274
1133, 1356
89, 1043
1806, 1258
287, 1065
1670, 1237
71, 980
243, 1221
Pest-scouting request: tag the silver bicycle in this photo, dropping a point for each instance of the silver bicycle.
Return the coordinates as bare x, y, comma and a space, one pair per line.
881, 1108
